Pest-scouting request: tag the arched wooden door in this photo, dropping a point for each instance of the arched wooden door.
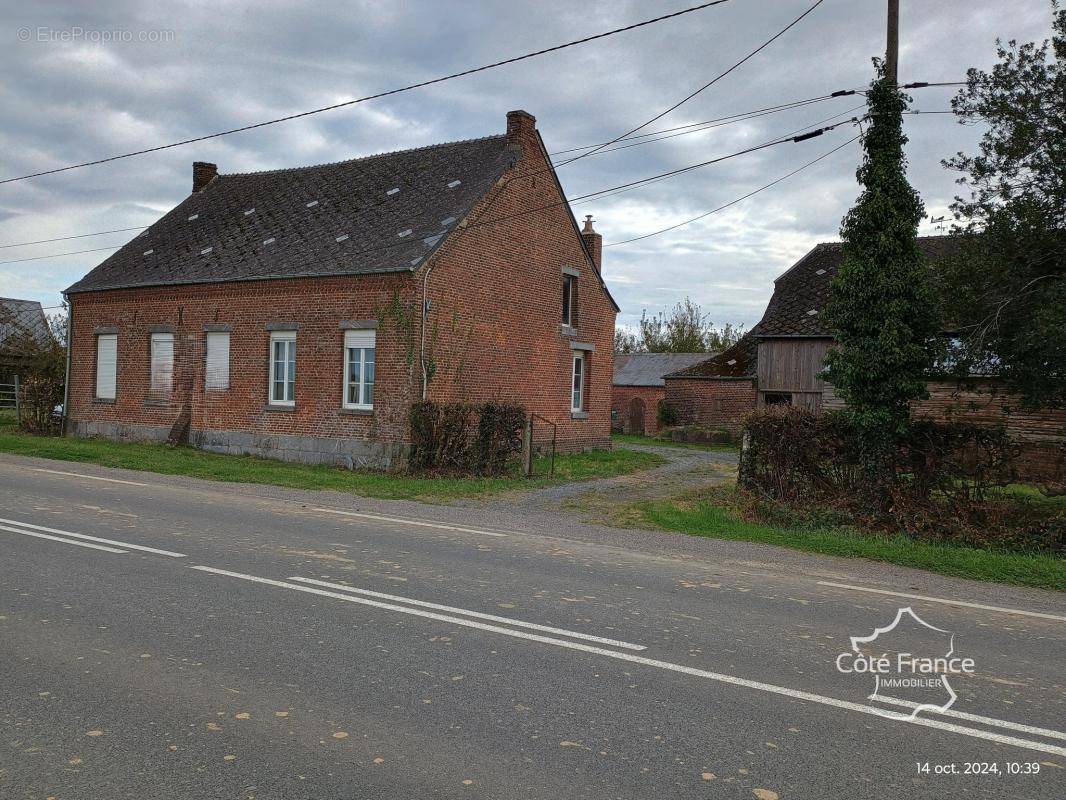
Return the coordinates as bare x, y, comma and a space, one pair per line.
636, 416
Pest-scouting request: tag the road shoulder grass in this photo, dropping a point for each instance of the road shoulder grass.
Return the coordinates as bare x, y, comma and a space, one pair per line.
712, 513
165, 460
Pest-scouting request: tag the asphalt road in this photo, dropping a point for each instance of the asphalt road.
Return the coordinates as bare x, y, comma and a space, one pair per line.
281, 644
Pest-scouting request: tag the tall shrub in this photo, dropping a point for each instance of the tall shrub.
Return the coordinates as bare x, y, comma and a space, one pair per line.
881, 307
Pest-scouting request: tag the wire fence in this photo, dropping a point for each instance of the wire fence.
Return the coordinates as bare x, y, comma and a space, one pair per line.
9, 395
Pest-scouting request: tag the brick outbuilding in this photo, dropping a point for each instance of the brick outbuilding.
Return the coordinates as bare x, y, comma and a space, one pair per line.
639, 389
298, 313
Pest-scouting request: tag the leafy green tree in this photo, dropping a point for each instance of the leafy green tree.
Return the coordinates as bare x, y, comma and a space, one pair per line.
625, 341
686, 330
1007, 288
881, 306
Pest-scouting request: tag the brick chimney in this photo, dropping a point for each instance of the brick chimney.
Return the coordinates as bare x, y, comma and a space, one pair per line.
202, 174
521, 127
593, 241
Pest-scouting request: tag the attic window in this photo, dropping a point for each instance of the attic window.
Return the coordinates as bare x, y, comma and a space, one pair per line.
731, 361
342, 237
271, 240
206, 250
312, 204
453, 184
249, 211
393, 190
820, 272
149, 252
444, 223
194, 216
405, 232
812, 312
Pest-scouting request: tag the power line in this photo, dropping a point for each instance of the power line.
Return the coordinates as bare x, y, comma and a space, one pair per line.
707, 85
810, 163
65, 238
379, 95
565, 200
60, 255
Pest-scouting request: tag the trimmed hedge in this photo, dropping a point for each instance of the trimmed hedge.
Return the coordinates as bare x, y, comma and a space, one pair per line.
462, 438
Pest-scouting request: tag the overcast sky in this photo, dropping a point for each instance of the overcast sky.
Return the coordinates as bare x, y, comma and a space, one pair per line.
210, 66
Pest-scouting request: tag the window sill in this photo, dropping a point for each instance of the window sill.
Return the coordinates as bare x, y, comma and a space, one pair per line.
579, 415
279, 407
357, 412
157, 403
104, 401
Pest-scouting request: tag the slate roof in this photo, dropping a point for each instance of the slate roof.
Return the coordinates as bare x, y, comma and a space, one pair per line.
382, 213
22, 315
647, 369
737, 361
804, 288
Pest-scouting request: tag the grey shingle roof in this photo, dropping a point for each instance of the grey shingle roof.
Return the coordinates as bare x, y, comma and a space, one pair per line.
647, 369
383, 213
804, 288
25, 316
737, 361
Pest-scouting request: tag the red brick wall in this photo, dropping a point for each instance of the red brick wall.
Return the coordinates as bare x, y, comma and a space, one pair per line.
494, 328
621, 404
317, 305
712, 403
1041, 434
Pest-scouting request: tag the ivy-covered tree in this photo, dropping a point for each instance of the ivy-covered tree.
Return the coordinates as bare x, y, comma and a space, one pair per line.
881, 307
1007, 288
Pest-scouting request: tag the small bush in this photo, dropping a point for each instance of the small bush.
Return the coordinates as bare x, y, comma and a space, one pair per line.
446, 438
668, 415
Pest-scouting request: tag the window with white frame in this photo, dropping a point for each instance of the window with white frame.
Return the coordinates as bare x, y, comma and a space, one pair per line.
161, 371
216, 363
577, 396
106, 365
359, 348
283, 368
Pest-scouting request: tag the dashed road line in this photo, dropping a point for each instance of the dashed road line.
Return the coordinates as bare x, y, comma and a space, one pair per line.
401, 520
89, 477
127, 545
58, 539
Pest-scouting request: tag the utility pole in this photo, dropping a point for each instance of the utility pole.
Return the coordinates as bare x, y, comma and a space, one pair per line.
892, 49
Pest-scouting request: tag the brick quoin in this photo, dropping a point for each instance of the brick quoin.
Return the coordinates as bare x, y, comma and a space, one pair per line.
492, 332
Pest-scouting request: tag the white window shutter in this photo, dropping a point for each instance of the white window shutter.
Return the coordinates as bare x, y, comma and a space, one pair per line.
162, 366
106, 365
359, 338
216, 372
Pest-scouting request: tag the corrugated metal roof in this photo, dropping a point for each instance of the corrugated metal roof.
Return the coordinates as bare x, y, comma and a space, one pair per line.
648, 369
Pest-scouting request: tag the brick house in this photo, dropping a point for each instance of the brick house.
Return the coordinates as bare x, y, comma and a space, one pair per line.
638, 388
298, 313
779, 360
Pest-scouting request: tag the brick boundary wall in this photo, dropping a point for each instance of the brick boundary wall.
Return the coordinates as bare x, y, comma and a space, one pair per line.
712, 402
622, 396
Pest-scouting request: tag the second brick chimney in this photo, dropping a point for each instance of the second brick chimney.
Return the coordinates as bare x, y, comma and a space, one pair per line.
203, 173
521, 128
593, 241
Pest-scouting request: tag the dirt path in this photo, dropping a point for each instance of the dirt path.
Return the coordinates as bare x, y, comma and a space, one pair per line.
685, 469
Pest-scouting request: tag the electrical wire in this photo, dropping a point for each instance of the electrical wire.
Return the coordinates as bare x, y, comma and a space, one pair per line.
705, 86
379, 95
724, 206
76, 236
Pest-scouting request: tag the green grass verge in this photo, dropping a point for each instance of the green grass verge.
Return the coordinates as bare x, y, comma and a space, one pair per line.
249, 469
712, 516
633, 438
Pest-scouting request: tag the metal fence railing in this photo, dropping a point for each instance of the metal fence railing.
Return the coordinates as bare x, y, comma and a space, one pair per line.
9, 395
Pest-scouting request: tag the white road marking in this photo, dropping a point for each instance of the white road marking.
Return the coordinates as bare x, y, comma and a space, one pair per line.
944, 601
477, 614
58, 539
90, 477
1002, 723
439, 525
664, 665
141, 547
